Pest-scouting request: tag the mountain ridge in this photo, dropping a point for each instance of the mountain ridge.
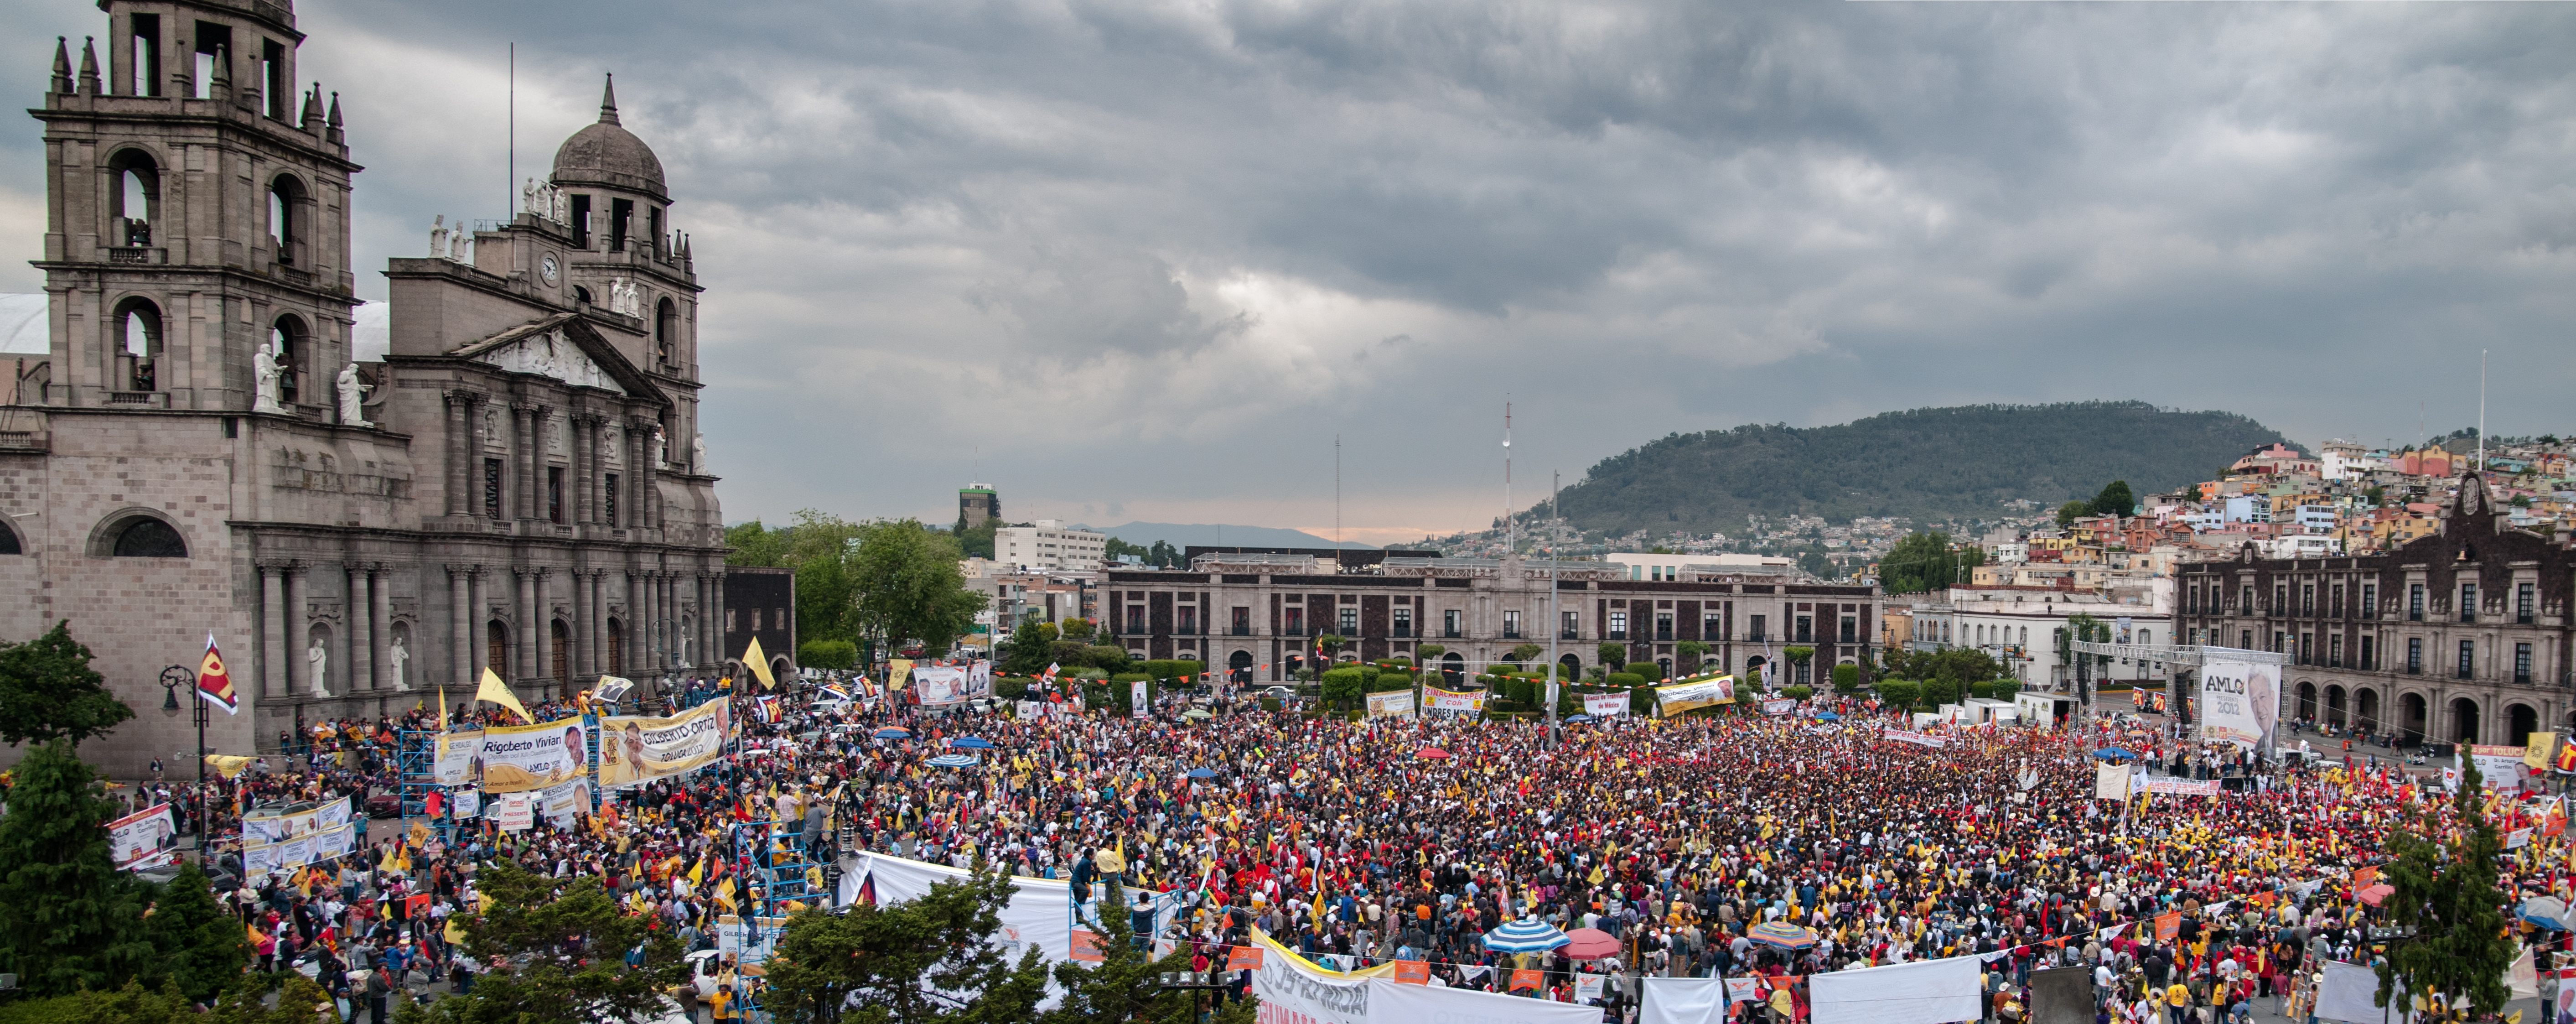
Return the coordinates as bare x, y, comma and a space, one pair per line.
1183, 535
1926, 465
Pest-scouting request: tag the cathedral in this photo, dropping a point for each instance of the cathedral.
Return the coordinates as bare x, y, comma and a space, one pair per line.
498, 467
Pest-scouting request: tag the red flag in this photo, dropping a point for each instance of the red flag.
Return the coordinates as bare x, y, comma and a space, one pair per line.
213, 683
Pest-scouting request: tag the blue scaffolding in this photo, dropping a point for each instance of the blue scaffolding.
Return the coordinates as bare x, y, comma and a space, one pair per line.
416, 759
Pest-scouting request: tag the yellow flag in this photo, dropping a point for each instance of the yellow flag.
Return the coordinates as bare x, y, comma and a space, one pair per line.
227, 765
498, 692
758, 663
442, 707
898, 671
698, 872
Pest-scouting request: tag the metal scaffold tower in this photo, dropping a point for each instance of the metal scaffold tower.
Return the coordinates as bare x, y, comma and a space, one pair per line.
416, 759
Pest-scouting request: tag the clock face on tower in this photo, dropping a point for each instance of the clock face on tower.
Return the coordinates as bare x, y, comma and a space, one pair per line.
548, 269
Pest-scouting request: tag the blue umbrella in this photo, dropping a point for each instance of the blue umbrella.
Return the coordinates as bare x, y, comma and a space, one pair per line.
971, 743
1577, 719
893, 732
1201, 773
1828, 716
1527, 935
2113, 754
953, 761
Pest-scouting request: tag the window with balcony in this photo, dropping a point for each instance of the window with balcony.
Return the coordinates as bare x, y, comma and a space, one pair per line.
2307, 648
1851, 629
2366, 662
2522, 664
2334, 651
1569, 625
1293, 622
2414, 655
2524, 602
2337, 609
1512, 624
1756, 625
1449, 624
1350, 620
1663, 625
1242, 621
2414, 602
1137, 623
2468, 659
2245, 639
2280, 641
2468, 602
2308, 599
1618, 625
1712, 626
2191, 599
1404, 622
2280, 599
1187, 618
1806, 625
2370, 600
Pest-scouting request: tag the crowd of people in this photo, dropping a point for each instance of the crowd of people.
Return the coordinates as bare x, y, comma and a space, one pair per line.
1409, 839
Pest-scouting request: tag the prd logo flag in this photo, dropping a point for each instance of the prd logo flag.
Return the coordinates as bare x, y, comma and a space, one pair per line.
213, 683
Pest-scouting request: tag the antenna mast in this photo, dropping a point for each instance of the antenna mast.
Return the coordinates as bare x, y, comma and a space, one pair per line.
2482, 414
1337, 502
1508, 537
513, 190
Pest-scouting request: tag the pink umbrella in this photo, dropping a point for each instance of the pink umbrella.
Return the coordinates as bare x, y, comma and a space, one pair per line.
1434, 753
1589, 944
2373, 894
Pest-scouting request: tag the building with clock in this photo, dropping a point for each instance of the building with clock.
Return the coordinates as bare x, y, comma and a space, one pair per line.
500, 467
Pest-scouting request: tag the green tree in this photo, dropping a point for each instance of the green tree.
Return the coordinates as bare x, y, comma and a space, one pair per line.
2115, 500
1121, 985
1522, 653
2068, 513
1343, 685
930, 960
1813, 562
905, 585
49, 692
1164, 555
2446, 894
1117, 549
195, 944
1846, 679
1612, 655
572, 942
68, 919
975, 541
1925, 562
1690, 654
827, 654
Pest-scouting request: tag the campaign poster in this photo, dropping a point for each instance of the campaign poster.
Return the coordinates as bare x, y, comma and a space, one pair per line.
2500, 767
520, 758
142, 839
1139, 701
1452, 701
939, 685
2239, 701
1605, 705
1391, 704
458, 756
515, 812
565, 801
469, 804
1779, 706
1705, 693
634, 750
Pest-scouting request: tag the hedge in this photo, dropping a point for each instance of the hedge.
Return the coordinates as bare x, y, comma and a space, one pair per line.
1627, 680
1847, 679
1012, 687
1172, 669
1645, 670
827, 654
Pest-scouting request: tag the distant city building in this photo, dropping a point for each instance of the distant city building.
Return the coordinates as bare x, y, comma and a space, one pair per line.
1049, 545
977, 504
1648, 567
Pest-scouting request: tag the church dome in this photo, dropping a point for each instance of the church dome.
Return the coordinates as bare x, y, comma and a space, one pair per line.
607, 154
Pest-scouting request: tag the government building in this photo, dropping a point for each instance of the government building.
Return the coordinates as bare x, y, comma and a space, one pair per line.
500, 467
1257, 613
2458, 636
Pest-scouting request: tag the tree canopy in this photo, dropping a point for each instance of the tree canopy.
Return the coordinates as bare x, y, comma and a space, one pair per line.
49, 692
68, 919
572, 944
1925, 561
2446, 893
879, 581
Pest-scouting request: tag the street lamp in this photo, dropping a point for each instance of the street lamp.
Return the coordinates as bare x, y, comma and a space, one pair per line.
172, 679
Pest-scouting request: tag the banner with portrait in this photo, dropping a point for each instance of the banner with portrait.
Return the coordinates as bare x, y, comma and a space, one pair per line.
635, 749
2239, 701
1779, 706
145, 838
1605, 705
565, 801
520, 758
1691, 696
1391, 704
457, 754
2498, 766
1140, 701
937, 685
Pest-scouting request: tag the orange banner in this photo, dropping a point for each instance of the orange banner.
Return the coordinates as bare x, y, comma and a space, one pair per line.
1244, 958
2169, 926
1522, 979
1412, 972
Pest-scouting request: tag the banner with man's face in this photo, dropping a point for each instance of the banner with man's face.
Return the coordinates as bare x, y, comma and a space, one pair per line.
2239, 701
520, 758
634, 750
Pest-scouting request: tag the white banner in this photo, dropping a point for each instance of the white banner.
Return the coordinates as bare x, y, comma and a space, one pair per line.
458, 754
566, 801
1453, 701
1916, 738
1683, 1000
516, 813
2111, 781
1391, 1003
1290, 990
1779, 707
2347, 994
520, 758
2183, 787
1673, 700
2239, 701
1605, 705
1139, 699
637, 750
940, 685
469, 803
1923, 992
1392, 704
142, 839
2501, 767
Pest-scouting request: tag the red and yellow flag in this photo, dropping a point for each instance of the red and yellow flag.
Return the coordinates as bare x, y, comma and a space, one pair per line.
213, 683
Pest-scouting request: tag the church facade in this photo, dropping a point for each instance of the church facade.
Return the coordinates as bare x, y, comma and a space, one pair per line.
514, 481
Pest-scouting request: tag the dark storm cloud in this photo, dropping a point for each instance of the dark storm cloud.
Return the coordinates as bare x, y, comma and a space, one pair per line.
1154, 257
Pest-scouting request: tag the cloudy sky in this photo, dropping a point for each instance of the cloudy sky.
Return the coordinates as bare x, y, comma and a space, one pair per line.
1131, 260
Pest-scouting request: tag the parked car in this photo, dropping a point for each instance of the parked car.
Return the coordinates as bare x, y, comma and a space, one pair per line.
384, 805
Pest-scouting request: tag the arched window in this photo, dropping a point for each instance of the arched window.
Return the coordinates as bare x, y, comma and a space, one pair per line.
666, 330
286, 229
138, 344
9, 541
287, 345
134, 201
581, 295
146, 537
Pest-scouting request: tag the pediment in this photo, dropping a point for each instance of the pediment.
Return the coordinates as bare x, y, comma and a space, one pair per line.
565, 348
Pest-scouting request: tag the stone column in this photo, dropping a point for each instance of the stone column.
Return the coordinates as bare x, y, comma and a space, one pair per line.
357, 641
525, 665
478, 653
523, 465
582, 661
272, 630
592, 472
540, 422
460, 453
380, 626
576, 487
595, 621
460, 615
296, 626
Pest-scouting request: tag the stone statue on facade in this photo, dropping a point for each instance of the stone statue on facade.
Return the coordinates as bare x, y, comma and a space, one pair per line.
661, 448
264, 362
698, 454
438, 237
319, 657
460, 244
353, 398
399, 657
